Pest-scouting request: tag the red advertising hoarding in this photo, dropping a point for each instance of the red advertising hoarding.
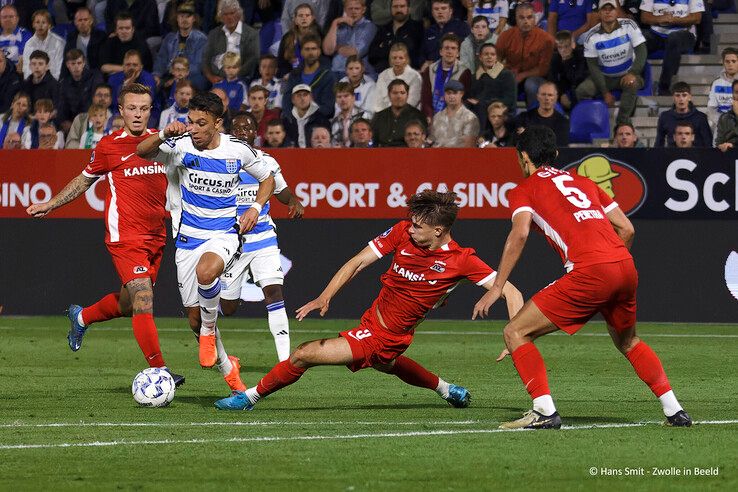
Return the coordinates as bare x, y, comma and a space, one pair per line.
331, 183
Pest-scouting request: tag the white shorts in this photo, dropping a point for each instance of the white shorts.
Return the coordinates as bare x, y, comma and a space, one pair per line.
223, 245
263, 267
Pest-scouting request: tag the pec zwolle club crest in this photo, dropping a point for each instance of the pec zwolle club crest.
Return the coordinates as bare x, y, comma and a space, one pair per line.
231, 165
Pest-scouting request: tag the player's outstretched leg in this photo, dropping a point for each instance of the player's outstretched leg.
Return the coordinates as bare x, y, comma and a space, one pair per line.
519, 334
414, 374
209, 268
81, 318
648, 367
279, 324
332, 351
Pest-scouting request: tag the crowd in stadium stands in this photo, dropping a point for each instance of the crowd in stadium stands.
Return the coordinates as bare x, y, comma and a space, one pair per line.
358, 73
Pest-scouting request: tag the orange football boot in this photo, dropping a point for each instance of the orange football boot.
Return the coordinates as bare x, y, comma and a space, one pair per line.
233, 378
208, 354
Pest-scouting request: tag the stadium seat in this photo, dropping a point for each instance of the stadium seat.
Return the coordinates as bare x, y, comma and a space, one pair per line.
589, 120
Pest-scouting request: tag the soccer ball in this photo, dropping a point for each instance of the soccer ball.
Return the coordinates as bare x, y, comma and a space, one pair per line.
153, 387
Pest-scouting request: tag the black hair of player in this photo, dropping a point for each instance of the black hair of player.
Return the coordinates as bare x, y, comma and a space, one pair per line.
435, 208
209, 103
539, 142
248, 116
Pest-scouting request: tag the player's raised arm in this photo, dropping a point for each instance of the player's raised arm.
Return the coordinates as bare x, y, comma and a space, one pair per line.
363, 259
149, 147
622, 225
72, 190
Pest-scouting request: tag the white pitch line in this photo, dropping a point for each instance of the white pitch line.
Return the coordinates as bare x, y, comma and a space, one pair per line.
440, 432
444, 333
19, 425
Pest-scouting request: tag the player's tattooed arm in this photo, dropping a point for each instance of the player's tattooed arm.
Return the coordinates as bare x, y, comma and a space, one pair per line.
72, 190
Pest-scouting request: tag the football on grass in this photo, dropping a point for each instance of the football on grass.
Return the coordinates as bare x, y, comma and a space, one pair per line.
153, 387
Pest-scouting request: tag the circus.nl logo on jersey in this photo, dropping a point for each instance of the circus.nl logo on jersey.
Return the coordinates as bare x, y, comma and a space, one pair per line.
622, 182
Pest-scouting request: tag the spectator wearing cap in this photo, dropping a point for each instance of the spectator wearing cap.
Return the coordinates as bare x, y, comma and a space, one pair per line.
388, 125
124, 39
615, 50
234, 36
526, 50
400, 29
440, 73
44, 40
314, 72
76, 88
546, 115
350, 34
455, 125
443, 23
303, 116
10, 82
361, 134
672, 30
188, 42
12, 37
85, 37
681, 111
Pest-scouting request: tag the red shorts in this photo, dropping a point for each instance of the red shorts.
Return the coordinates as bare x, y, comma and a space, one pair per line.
607, 288
139, 259
372, 344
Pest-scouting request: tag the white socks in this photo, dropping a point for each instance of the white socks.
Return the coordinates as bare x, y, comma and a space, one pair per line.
79, 319
252, 395
225, 366
670, 403
279, 325
209, 297
442, 388
544, 405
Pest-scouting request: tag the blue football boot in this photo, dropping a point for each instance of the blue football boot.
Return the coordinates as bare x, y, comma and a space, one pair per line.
237, 401
76, 331
458, 396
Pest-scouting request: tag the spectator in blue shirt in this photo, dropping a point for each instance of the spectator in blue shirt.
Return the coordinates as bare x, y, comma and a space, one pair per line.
442, 12
576, 16
186, 41
350, 34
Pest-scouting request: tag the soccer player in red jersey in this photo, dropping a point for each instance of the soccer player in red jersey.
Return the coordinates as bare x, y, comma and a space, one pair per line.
592, 235
135, 232
427, 265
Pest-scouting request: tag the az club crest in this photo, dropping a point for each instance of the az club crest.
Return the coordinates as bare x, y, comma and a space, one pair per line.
231, 165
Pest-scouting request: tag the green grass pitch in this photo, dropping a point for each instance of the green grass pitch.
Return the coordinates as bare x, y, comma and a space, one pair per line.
68, 421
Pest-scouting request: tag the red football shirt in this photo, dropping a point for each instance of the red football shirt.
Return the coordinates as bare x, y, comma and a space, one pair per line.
571, 211
420, 279
134, 205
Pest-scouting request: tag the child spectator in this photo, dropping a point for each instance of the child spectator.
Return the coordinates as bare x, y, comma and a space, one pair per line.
117, 123
181, 107
568, 68
267, 79
498, 131
721, 93
43, 109
234, 88
399, 60
97, 115
16, 119
496, 13
179, 70
40, 84
365, 90
44, 40
103, 95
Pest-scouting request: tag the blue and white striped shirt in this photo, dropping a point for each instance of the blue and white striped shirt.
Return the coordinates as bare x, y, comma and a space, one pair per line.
492, 13
677, 8
615, 51
203, 186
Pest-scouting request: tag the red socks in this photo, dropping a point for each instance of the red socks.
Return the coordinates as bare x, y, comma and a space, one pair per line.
648, 367
413, 373
281, 375
103, 310
532, 370
144, 329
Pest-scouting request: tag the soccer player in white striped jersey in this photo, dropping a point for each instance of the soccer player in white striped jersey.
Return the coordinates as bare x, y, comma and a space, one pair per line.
260, 255
208, 165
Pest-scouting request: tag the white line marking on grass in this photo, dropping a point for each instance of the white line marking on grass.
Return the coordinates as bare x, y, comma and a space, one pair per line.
441, 332
17, 425
440, 432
